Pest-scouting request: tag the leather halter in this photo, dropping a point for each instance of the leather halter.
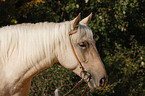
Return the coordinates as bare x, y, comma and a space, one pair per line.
84, 73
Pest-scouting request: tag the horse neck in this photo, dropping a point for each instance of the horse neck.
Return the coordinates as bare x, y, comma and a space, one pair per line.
50, 41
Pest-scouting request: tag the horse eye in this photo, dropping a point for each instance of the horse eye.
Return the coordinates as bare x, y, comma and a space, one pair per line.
83, 45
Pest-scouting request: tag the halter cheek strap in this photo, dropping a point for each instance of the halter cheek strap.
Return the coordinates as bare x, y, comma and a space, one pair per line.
84, 73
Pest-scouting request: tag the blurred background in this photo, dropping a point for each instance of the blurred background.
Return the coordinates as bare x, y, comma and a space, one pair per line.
119, 32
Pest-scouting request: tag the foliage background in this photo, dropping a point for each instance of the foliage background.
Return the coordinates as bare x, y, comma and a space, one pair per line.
119, 30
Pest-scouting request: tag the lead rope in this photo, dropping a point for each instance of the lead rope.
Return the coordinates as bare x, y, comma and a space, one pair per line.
86, 90
77, 85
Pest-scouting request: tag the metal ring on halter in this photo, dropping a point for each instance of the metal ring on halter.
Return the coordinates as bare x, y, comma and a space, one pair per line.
85, 75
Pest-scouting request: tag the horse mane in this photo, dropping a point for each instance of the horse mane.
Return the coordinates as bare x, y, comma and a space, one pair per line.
21, 41
29, 42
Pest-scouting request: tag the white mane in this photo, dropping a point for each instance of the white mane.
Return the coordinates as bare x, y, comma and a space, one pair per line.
26, 41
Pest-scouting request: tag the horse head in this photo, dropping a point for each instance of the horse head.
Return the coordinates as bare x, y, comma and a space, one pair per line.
82, 56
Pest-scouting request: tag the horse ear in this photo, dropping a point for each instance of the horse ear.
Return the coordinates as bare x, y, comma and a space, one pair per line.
75, 22
86, 20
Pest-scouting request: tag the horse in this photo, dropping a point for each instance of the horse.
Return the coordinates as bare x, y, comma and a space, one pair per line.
28, 48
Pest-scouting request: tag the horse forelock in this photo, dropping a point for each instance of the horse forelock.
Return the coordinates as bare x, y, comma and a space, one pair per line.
83, 31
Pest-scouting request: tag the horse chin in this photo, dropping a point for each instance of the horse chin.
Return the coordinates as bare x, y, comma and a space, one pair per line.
92, 85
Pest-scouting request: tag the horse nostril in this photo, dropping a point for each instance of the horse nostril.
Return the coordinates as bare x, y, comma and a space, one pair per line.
102, 82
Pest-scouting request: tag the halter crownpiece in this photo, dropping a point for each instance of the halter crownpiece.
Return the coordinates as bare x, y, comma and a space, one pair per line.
73, 32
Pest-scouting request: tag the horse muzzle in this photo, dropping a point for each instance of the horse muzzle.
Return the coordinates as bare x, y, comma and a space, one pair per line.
93, 85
